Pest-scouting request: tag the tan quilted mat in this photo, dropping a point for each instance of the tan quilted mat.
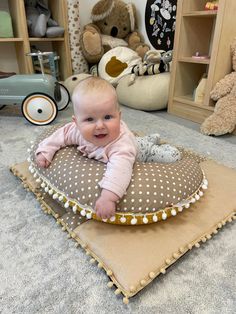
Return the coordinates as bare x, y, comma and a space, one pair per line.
133, 256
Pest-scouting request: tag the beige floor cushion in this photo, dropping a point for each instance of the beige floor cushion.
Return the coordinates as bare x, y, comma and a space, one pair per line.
133, 256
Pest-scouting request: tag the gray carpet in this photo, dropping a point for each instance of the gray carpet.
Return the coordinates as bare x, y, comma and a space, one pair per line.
42, 272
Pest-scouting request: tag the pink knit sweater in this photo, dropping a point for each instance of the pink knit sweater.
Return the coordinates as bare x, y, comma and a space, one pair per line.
119, 155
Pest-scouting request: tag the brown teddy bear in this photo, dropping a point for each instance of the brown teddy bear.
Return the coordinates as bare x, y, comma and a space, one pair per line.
223, 120
114, 24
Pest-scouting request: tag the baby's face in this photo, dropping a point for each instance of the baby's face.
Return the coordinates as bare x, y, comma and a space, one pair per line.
98, 118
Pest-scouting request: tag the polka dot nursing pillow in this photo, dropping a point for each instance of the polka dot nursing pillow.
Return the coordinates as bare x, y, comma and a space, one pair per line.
156, 191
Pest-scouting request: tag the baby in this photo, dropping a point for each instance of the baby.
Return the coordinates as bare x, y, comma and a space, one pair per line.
100, 133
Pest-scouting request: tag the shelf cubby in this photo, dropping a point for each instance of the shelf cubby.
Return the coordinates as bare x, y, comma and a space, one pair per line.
209, 33
196, 36
21, 42
188, 76
193, 6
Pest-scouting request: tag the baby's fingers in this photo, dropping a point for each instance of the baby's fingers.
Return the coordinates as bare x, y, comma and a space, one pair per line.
47, 163
40, 163
100, 213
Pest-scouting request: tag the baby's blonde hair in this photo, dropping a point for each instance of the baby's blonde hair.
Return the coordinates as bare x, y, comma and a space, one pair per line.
91, 84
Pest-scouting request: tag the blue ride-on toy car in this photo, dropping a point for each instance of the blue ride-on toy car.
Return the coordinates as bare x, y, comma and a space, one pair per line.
41, 96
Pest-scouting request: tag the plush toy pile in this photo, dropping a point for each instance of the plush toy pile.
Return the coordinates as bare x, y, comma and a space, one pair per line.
116, 52
223, 120
113, 24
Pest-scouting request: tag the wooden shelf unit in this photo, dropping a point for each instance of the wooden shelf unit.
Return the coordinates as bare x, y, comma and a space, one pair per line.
22, 41
209, 33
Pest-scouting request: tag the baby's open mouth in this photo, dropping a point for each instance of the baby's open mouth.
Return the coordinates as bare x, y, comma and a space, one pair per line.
100, 135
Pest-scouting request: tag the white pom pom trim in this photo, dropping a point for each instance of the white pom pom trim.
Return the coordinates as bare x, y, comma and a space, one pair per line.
67, 205
145, 220
123, 219
134, 221
164, 216
136, 218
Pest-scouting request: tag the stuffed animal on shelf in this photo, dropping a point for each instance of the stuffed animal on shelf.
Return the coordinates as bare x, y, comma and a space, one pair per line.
223, 120
114, 25
39, 21
5, 25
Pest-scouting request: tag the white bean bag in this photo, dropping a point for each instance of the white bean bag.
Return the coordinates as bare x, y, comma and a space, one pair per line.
146, 93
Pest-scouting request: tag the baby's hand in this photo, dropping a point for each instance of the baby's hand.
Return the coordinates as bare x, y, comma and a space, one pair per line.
41, 161
105, 205
105, 209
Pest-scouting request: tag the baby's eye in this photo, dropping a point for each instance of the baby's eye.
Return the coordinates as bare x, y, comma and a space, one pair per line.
90, 119
108, 117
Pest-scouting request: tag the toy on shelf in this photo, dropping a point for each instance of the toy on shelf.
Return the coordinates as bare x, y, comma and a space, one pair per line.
199, 92
6, 30
212, 5
200, 56
39, 20
41, 96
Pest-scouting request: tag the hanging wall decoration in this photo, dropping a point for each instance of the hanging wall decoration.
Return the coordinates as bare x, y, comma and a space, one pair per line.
160, 18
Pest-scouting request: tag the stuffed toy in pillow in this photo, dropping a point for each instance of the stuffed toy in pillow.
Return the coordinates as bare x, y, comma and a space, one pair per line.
114, 25
39, 21
116, 63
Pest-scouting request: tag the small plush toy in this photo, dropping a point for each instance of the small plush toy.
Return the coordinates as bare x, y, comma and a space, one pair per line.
114, 24
154, 62
39, 21
165, 62
72, 81
223, 120
150, 64
211, 5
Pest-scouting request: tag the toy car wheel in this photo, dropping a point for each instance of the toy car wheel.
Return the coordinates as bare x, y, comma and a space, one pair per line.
1, 107
39, 109
65, 98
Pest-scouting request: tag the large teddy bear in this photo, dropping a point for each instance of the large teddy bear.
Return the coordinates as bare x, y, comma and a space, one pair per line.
223, 120
114, 24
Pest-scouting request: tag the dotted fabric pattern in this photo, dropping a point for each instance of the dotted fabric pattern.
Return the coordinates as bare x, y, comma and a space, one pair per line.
153, 186
71, 220
79, 64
